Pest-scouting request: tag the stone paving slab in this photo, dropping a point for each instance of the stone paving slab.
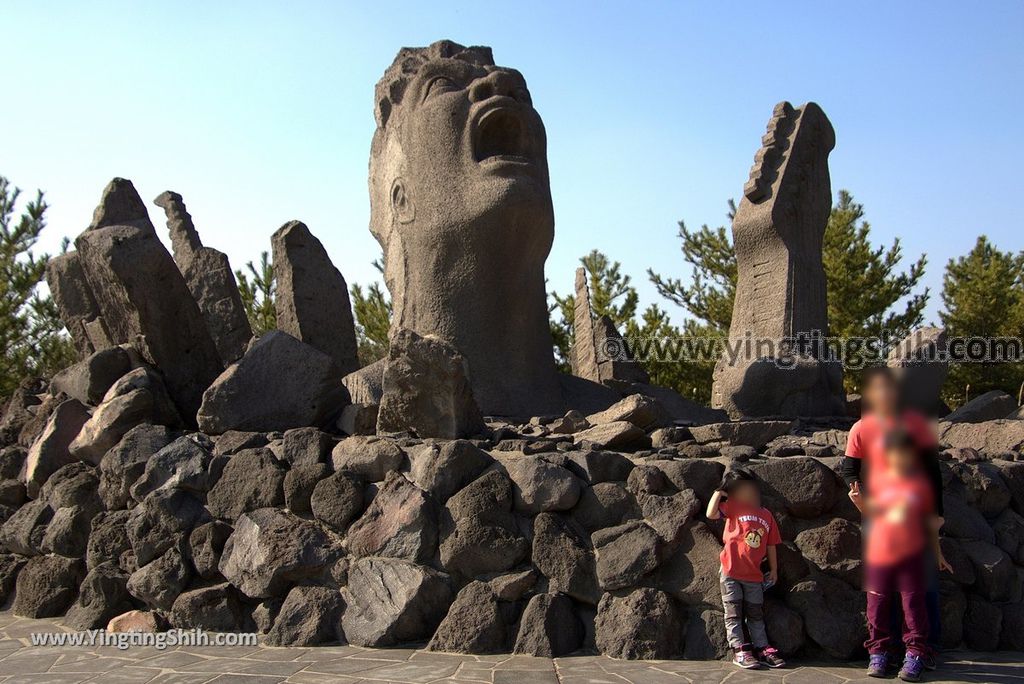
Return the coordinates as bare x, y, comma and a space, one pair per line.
22, 663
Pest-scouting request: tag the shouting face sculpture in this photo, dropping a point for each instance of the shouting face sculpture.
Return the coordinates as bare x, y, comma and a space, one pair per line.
461, 205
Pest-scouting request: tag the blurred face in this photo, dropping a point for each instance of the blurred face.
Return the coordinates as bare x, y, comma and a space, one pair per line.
746, 492
881, 395
901, 460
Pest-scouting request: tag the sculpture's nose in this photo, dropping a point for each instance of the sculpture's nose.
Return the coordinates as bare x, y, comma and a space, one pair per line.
498, 83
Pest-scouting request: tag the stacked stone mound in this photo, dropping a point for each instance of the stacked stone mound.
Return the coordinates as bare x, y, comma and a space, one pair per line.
572, 533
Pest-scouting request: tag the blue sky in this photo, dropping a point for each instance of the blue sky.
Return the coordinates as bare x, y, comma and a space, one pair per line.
258, 113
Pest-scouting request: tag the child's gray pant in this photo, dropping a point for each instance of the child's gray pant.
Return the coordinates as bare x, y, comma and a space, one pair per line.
743, 601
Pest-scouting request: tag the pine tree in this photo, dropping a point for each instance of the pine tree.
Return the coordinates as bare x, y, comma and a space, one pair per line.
31, 332
864, 285
983, 296
373, 320
708, 298
611, 294
709, 295
257, 290
863, 282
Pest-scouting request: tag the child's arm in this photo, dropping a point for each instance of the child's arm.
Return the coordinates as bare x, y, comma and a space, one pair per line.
773, 564
716, 500
935, 522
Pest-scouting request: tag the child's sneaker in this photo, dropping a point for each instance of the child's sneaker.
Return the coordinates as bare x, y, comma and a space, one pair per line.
770, 657
878, 666
746, 659
931, 659
913, 667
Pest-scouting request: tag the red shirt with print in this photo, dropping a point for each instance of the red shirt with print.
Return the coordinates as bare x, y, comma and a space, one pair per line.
900, 508
867, 439
749, 531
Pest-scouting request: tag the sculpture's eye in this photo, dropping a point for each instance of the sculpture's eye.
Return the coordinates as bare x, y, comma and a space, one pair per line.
438, 85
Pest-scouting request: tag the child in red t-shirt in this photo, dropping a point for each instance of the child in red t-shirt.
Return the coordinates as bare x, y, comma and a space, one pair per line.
750, 535
902, 523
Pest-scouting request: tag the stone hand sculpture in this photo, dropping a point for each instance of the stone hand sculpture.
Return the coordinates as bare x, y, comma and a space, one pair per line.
780, 311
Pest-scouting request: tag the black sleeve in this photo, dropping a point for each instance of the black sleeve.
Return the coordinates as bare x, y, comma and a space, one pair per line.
849, 470
934, 472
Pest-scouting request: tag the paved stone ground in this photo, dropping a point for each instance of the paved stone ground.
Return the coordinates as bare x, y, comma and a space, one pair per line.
20, 663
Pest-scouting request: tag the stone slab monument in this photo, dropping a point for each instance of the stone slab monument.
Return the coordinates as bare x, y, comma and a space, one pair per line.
312, 300
143, 297
209, 277
460, 202
780, 310
599, 351
74, 300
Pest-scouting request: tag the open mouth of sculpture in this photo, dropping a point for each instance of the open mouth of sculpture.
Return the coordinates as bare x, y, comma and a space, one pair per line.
501, 136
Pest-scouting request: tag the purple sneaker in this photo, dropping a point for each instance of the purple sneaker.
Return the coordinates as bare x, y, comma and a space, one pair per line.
878, 666
913, 668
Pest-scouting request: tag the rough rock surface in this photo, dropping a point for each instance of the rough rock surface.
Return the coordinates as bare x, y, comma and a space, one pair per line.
621, 435
205, 546
479, 533
401, 522
303, 446
47, 585
539, 485
102, 596
989, 406
337, 500
137, 397
474, 623
802, 486
990, 437
312, 300
89, 379
625, 554
299, 483
124, 463
74, 299
755, 433
213, 608
51, 450
210, 279
641, 624
833, 614
23, 532
390, 601
145, 302
279, 383
251, 479
444, 469
642, 411
549, 627
370, 458
563, 554
270, 549
427, 389
309, 616
159, 582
